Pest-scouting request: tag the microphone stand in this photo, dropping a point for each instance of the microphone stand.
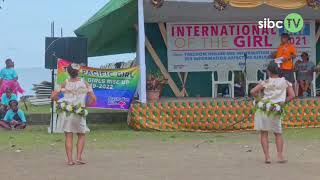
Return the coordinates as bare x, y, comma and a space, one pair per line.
245, 75
52, 89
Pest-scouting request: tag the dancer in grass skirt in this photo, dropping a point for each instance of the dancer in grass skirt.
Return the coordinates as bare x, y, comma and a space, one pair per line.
270, 109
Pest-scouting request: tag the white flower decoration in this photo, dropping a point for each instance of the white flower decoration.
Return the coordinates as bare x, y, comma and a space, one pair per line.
69, 108
78, 111
86, 112
75, 66
268, 106
278, 108
254, 103
63, 105
260, 104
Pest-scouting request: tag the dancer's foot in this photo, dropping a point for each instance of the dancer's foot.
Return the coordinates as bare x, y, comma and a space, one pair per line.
71, 163
267, 160
281, 159
80, 162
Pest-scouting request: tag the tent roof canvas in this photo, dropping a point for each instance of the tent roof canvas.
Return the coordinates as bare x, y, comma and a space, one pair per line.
111, 29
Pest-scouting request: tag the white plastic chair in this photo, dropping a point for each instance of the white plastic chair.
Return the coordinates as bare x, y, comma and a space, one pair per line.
222, 78
252, 75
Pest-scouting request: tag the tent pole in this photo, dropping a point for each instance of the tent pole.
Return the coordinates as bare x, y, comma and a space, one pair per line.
141, 53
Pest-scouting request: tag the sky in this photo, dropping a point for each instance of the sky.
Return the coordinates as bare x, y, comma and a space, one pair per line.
24, 24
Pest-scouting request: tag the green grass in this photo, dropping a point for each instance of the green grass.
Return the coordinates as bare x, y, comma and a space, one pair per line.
119, 135
45, 109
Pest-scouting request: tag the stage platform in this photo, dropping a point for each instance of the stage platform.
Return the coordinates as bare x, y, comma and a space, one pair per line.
207, 114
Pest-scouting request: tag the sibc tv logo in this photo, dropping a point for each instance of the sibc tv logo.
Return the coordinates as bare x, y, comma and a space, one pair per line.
292, 23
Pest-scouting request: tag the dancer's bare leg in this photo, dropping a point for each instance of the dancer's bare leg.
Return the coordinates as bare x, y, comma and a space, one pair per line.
80, 147
265, 145
279, 145
69, 146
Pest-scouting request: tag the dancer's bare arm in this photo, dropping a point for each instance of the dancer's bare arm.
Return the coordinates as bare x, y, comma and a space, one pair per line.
55, 94
255, 91
92, 97
290, 93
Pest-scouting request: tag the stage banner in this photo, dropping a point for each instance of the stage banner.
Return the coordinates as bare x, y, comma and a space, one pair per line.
206, 46
114, 88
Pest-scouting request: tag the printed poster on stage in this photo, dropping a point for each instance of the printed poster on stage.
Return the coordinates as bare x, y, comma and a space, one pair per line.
114, 88
206, 46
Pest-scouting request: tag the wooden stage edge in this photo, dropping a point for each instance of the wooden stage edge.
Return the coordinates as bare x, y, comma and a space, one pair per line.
211, 115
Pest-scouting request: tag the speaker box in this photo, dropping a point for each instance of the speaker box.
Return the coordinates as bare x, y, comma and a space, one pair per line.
73, 49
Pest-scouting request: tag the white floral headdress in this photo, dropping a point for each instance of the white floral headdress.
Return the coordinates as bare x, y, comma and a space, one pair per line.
75, 66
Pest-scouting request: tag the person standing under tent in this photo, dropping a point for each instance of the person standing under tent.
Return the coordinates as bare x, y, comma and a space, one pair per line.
9, 78
270, 109
287, 52
305, 69
72, 111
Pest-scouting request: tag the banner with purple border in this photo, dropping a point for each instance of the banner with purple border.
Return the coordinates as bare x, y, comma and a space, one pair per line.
205, 46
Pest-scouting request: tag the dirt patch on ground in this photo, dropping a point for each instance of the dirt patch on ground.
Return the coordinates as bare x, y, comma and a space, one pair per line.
170, 160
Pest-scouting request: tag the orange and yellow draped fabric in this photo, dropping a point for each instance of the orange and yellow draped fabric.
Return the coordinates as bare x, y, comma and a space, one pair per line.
224, 115
283, 4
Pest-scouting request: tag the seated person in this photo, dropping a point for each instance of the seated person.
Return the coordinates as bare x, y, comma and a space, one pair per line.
14, 117
305, 70
8, 96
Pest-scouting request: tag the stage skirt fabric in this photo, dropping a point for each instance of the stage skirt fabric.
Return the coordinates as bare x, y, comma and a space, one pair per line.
13, 84
263, 122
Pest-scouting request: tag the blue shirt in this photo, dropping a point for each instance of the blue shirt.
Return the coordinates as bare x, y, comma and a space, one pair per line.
8, 74
10, 114
5, 100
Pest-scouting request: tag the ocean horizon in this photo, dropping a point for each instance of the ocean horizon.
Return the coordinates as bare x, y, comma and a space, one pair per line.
29, 76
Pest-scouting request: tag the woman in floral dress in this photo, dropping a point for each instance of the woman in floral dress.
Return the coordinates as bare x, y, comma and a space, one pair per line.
269, 110
71, 111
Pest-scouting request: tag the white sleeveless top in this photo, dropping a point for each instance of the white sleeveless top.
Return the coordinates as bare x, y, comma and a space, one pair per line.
75, 93
275, 89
